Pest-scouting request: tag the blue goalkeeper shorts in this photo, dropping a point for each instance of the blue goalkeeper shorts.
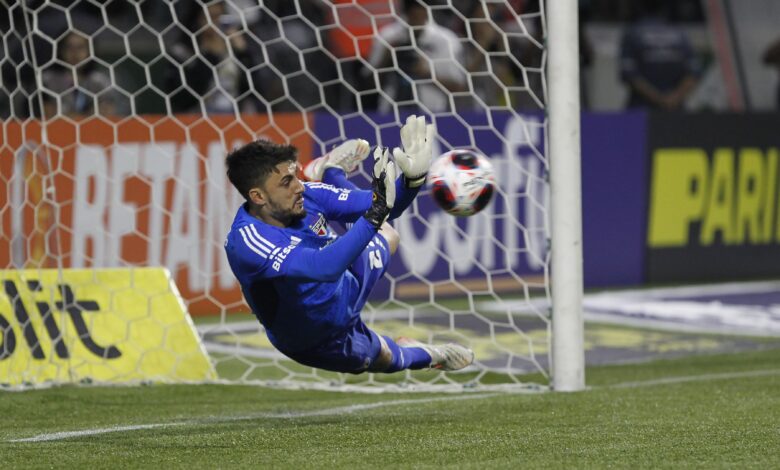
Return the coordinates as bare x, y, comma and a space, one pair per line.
353, 349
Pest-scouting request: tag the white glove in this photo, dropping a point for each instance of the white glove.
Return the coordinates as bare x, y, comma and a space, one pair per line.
415, 158
348, 155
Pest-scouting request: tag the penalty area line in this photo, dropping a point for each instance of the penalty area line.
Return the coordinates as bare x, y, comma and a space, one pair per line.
340, 410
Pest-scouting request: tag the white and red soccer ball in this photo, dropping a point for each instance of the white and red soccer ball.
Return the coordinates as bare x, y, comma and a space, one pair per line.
462, 182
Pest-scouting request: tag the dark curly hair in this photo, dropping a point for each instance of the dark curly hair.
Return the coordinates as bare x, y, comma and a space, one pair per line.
249, 166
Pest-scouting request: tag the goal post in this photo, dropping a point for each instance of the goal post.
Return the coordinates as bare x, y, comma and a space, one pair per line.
116, 119
568, 357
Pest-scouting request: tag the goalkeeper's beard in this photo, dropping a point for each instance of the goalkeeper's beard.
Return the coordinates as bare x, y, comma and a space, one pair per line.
287, 215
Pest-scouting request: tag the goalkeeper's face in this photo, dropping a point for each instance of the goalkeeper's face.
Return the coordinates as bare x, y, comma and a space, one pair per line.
283, 195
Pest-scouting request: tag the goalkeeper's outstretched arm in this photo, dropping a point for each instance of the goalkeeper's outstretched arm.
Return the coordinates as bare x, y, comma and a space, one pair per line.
329, 263
355, 202
414, 161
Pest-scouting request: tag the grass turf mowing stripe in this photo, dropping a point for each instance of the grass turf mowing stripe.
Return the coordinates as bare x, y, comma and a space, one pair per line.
57, 436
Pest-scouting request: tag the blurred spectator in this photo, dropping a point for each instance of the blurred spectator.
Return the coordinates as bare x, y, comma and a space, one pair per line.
355, 23
772, 59
15, 72
487, 59
620, 11
417, 54
503, 53
657, 61
250, 57
297, 63
586, 54
75, 84
586, 60
215, 74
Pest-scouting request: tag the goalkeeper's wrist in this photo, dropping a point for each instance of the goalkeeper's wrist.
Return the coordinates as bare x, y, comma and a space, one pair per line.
377, 214
415, 182
376, 219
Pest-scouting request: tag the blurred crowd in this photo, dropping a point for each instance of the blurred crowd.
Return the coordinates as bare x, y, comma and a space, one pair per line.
237, 56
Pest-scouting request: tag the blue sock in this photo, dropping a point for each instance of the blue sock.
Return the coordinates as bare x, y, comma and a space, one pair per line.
337, 178
406, 358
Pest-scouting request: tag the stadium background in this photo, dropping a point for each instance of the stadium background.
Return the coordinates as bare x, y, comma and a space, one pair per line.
619, 146
676, 197
716, 160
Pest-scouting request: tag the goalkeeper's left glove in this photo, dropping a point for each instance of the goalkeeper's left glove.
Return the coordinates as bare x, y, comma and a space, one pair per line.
415, 158
383, 183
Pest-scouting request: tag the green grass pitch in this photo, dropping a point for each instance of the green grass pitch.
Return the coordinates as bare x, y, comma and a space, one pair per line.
708, 411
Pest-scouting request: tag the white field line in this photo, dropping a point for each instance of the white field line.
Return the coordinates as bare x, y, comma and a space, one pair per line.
57, 436
340, 410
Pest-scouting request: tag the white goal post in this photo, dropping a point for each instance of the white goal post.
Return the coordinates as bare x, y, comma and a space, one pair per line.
568, 354
116, 118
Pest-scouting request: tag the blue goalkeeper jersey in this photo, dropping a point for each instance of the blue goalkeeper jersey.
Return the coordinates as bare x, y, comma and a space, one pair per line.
296, 279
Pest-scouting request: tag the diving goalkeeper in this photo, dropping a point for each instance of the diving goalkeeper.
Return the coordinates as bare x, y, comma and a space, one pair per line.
307, 285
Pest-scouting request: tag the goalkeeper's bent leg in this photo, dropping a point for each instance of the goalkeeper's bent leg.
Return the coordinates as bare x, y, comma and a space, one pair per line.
391, 237
394, 358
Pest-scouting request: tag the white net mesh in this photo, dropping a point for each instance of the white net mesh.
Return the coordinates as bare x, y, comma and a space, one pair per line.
117, 116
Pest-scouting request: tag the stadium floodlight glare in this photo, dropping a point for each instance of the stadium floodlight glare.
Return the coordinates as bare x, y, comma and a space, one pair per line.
115, 123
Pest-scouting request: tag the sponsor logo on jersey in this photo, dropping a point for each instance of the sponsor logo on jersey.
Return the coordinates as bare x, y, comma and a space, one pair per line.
325, 186
279, 255
343, 193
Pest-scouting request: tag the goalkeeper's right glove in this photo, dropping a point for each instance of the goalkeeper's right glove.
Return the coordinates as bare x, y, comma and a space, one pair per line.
383, 185
415, 158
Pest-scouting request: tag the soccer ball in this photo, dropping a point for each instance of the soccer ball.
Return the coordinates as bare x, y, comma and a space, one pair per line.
462, 182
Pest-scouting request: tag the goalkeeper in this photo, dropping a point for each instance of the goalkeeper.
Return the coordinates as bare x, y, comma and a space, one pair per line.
307, 285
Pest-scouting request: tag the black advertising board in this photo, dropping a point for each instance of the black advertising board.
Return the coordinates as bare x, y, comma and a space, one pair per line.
713, 211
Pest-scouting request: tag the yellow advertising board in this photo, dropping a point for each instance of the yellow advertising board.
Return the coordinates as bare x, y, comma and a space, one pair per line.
96, 325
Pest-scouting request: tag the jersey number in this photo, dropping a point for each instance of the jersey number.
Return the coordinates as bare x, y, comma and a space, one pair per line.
375, 259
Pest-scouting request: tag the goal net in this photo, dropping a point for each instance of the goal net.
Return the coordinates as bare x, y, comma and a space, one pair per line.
117, 116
